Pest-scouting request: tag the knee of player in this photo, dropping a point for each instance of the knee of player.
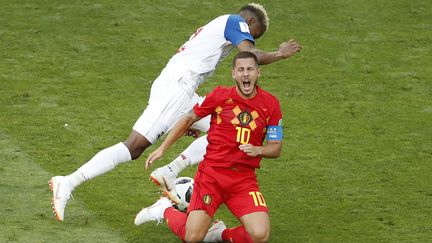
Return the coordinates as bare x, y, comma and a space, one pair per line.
260, 234
136, 149
194, 237
136, 143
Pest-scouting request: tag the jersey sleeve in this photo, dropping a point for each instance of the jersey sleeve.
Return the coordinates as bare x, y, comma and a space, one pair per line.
237, 30
274, 126
208, 105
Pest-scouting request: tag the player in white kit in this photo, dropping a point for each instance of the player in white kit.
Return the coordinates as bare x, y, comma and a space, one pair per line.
173, 94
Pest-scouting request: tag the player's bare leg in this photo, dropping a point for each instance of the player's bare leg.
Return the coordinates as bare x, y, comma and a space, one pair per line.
257, 225
197, 226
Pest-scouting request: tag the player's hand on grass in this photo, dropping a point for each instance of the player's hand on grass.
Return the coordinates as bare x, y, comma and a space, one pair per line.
251, 150
155, 155
289, 48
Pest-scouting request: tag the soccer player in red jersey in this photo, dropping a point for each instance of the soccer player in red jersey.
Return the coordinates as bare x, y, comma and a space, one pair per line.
173, 94
242, 117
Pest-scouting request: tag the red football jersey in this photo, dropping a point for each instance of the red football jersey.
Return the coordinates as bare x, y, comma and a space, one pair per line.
235, 121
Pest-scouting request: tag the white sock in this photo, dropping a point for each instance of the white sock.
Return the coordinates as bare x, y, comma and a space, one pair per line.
75, 179
179, 164
193, 155
196, 150
101, 163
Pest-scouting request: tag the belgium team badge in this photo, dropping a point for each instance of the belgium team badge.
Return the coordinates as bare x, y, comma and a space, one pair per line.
244, 118
207, 199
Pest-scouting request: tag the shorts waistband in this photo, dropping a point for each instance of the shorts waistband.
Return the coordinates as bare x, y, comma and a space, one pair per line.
234, 168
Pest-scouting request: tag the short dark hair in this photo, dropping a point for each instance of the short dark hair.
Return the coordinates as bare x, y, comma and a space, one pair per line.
245, 54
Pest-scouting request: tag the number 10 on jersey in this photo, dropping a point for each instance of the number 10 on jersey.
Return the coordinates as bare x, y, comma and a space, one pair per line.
243, 135
258, 199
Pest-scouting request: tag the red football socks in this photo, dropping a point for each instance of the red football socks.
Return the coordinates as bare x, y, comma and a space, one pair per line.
176, 221
236, 235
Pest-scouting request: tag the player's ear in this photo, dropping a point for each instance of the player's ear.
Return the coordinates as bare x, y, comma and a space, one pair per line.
232, 73
250, 20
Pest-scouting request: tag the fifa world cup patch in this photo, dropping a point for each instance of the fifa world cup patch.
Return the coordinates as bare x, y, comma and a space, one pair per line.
207, 199
274, 133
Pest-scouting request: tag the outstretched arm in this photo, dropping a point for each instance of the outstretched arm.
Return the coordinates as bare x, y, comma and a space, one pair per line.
176, 132
286, 49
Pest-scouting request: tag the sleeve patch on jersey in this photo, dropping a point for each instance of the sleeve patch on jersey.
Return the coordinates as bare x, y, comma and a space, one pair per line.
274, 133
244, 27
237, 30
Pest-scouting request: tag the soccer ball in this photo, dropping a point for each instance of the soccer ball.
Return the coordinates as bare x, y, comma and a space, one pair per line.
184, 188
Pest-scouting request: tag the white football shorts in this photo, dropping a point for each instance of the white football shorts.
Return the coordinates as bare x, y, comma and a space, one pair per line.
168, 102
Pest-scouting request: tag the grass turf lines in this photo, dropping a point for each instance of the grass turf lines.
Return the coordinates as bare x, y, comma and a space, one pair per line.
357, 103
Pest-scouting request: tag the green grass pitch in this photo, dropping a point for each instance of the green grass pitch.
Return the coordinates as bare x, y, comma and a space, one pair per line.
357, 102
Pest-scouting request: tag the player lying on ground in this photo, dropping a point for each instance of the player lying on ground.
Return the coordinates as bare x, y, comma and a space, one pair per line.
242, 117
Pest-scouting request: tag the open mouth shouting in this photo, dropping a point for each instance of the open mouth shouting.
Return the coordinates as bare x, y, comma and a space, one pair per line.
246, 87
246, 83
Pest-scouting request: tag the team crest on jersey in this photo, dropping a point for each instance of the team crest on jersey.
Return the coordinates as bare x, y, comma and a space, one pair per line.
244, 117
207, 199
